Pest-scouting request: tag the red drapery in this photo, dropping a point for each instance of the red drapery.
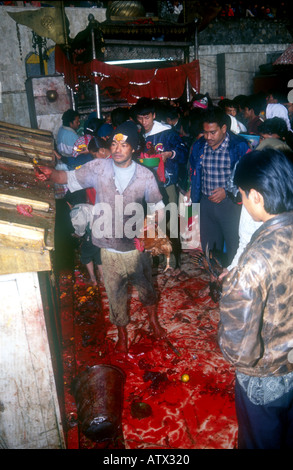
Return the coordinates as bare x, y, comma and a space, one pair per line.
133, 84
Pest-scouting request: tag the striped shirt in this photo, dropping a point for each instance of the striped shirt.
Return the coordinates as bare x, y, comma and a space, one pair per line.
216, 167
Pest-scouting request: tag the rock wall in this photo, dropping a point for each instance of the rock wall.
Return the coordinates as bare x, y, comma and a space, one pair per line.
235, 31
230, 54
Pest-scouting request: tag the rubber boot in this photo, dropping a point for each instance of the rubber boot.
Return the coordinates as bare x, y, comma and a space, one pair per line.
122, 343
158, 330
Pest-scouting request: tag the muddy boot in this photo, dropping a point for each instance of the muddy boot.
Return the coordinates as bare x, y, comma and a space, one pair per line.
158, 330
122, 343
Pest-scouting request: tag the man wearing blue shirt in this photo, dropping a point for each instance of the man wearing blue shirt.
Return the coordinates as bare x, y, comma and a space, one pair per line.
67, 134
212, 160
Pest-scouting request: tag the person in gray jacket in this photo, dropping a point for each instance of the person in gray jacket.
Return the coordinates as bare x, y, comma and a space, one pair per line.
256, 309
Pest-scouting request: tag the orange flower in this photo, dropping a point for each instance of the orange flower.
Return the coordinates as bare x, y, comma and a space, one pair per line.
120, 137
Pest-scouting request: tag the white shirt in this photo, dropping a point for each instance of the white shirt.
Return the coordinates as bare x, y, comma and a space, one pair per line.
157, 127
278, 110
236, 126
247, 227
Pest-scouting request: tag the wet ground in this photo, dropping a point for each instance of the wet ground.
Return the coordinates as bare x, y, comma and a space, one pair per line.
159, 409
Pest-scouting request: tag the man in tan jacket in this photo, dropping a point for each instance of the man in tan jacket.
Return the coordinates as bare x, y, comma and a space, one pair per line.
256, 308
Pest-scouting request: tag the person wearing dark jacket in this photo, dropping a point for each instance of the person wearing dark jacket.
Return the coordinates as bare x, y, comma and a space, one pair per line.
164, 139
168, 143
212, 159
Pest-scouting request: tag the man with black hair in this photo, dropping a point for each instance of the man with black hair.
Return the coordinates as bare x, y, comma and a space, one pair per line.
173, 151
274, 134
252, 109
256, 320
165, 141
122, 187
276, 108
173, 118
64, 242
231, 108
212, 159
119, 115
67, 134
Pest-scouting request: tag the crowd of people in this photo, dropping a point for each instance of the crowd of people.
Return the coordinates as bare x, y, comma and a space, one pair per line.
234, 157
260, 10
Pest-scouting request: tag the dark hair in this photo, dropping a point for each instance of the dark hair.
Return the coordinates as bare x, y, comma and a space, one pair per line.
216, 115
240, 100
253, 102
93, 126
144, 106
69, 117
277, 95
226, 103
172, 112
223, 103
185, 123
270, 172
96, 143
119, 115
274, 125
195, 118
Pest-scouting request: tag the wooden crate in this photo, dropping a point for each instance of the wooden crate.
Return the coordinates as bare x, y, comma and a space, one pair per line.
30, 401
26, 242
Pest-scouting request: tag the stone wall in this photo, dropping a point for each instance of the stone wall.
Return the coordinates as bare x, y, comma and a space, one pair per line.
232, 31
228, 61
229, 70
231, 52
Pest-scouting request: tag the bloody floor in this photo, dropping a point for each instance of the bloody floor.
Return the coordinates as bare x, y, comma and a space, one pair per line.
197, 414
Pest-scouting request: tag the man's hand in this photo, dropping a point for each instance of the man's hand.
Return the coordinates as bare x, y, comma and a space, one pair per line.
56, 176
45, 173
83, 151
166, 155
218, 195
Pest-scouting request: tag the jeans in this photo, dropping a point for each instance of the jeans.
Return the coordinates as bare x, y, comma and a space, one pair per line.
219, 223
267, 426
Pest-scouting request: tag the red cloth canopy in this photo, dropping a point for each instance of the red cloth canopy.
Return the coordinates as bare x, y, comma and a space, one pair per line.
168, 83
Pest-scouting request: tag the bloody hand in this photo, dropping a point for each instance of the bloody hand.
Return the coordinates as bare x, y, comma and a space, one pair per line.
43, 173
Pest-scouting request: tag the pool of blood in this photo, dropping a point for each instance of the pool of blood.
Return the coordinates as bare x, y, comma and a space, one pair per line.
197, 414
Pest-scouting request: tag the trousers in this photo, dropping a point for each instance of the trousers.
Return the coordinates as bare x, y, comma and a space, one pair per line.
219, 226
267, 426
122, 270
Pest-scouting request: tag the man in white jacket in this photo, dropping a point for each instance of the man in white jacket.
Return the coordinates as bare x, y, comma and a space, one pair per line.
276, 109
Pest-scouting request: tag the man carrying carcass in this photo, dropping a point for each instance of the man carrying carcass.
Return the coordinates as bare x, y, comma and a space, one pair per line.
120, 183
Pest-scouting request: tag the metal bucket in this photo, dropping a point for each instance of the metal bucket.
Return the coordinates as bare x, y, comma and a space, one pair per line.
99, 399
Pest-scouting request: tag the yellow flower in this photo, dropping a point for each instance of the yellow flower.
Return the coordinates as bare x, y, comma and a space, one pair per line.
120, 137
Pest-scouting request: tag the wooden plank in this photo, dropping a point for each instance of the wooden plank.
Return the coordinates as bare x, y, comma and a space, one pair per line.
44, 221
39, 139
17, 163
30, 411
29, 153
26, 130
21, 237
14, 137
15, 200
23, 196
22, 261
26, 237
